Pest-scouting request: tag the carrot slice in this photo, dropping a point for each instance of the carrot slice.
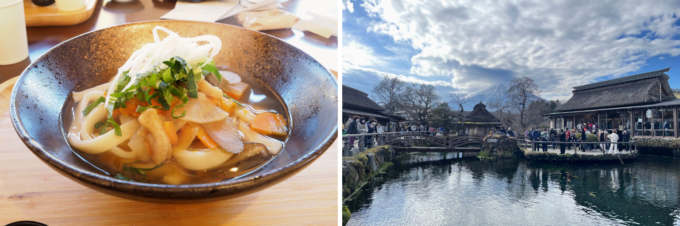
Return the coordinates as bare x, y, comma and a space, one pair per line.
131, 107
170, 131
205, 138
115, 113
268, 123
227, 105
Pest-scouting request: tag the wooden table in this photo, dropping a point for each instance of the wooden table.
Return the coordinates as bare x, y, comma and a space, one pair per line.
30, 190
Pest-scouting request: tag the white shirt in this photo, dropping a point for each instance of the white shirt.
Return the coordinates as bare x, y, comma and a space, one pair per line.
613, 137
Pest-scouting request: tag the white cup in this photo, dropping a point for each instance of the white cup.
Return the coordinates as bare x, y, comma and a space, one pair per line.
13, 41
70, 5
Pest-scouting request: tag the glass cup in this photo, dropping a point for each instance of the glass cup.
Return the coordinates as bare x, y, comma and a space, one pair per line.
14, 44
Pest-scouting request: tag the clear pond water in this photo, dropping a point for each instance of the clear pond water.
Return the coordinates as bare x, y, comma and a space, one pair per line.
427, 190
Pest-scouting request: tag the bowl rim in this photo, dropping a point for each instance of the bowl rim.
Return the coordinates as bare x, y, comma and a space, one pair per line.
233, 185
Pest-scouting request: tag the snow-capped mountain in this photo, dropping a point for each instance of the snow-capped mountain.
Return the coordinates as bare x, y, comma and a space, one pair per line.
489, 94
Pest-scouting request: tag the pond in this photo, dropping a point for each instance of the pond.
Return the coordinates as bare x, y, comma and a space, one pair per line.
445, 189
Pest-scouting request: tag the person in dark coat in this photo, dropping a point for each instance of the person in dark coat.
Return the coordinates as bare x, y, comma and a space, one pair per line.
553, 136
602, 138
625, 137
352, 129
368, 139
536, 136
563, 138
584, 137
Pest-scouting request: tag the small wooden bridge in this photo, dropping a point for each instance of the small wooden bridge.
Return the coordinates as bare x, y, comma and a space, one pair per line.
411, 142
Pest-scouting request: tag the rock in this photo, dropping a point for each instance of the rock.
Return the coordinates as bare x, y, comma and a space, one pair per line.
346, 215
350, 175
502, 146
353, 151
371, 166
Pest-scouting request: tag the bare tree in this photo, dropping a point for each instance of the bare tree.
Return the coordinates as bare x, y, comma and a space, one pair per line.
500, 104
460, 100
521, 92
388, 93
418, 100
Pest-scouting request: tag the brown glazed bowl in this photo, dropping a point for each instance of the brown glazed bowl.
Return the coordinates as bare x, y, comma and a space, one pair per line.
309, 92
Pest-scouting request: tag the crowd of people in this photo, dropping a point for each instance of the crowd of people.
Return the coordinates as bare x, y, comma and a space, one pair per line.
359, 125
362, 125
607, 141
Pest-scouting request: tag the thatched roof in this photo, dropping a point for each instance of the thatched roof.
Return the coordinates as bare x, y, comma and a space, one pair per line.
480, 114
630, 78
630, 90
354, 99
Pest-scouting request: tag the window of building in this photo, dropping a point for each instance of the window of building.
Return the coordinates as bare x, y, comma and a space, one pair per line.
558, 123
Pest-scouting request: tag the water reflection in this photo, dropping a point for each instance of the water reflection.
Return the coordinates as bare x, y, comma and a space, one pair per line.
467, 191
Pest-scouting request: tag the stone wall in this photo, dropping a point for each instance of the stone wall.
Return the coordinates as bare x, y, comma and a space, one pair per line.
360, 169
659, 146
363, 166
672, 143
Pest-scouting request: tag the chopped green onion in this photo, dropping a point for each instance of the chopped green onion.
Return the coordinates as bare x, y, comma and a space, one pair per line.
116, 127
191, 85
99, 125
211, 68
93, 105
141, 171
123, 177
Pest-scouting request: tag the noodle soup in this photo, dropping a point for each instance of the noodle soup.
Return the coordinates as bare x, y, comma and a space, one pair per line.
171, 116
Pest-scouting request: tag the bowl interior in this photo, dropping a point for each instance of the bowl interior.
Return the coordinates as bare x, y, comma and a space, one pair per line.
308, 90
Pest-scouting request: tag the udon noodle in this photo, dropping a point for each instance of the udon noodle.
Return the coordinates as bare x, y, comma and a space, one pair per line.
170, 116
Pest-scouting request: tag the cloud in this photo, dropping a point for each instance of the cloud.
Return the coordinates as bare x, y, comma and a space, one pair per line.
355, 54
365, 78
560, 44
348, 5
661, 58
405, 78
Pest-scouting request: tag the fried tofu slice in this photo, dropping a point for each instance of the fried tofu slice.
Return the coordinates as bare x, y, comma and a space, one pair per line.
162, 149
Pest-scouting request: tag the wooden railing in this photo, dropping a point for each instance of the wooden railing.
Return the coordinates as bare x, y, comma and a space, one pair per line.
365, 141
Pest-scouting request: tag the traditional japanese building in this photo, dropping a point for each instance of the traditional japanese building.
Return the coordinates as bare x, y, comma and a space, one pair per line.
643, 104
479, 122
356, 102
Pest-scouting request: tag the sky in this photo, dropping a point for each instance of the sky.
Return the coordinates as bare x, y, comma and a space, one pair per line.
466, 46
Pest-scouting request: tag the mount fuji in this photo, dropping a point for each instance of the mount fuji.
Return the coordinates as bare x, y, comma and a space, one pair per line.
489, 94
